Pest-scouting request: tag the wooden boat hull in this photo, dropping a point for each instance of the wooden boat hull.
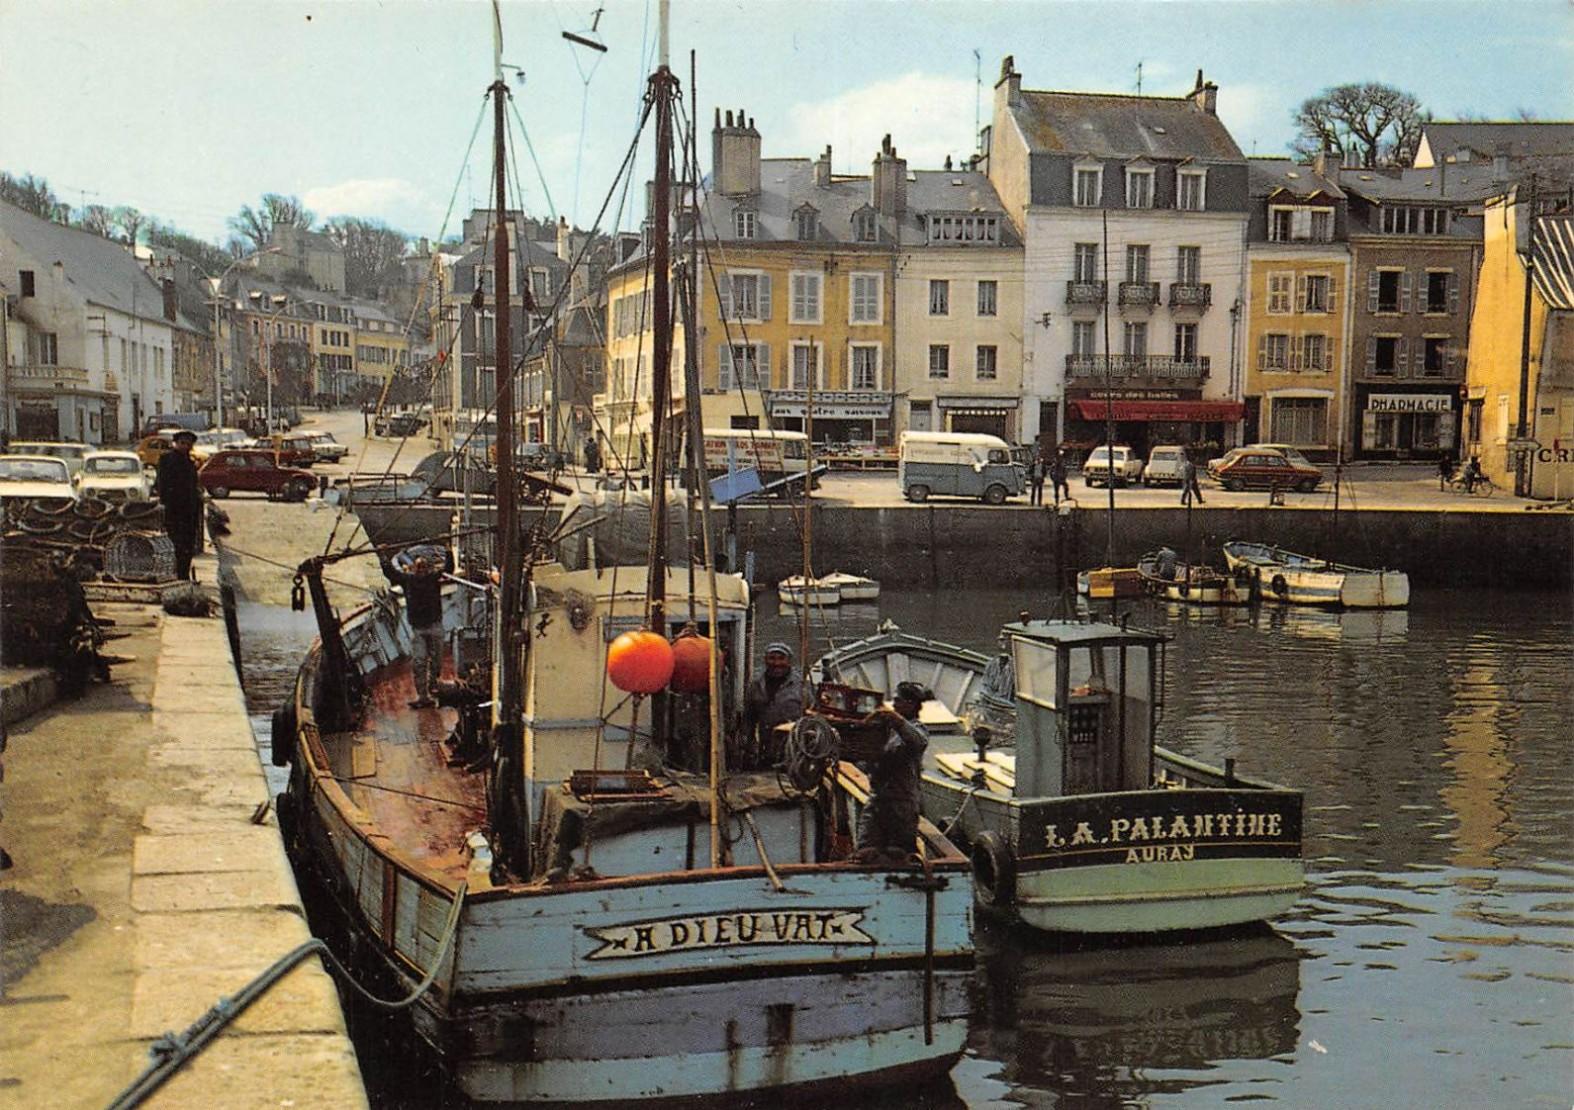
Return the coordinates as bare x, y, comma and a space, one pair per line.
1190, 584
691, 983
852, 587
1104, 583
1302, 580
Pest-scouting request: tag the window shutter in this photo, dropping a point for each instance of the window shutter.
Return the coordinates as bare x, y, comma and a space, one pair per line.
1262, 353
1300, 293
1402, 358
724, 365
1333, 291
763, 374
1453, 294
1371, 354
765, 296
1328, 353
1448, 358
1404, 291
724, 292
1373, 280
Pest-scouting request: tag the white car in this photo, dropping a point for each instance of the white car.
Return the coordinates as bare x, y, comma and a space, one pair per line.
24, 477
70, 453
1101, 468
113, 476
328, 449
1166, 466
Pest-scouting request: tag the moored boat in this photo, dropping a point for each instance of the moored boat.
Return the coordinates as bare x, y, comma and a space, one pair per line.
1105, 583
1164, 575
852, 587
1078, 822
1305, 580
814, 592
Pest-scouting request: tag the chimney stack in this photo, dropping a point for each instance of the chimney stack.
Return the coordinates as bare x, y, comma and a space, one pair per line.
822, 169
1010, 83
1206, 95
888, 182
735, 155
171, 302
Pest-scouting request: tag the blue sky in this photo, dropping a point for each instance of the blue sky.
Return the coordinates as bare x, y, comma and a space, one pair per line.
188, 109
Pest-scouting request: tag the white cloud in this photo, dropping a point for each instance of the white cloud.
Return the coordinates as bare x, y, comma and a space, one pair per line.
927, 117
393, 200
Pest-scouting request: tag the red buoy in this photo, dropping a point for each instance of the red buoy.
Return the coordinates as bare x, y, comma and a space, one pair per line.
639, 662
691, 664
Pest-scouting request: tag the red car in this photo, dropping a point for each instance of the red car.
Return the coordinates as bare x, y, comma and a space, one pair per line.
1263, 468
254, 471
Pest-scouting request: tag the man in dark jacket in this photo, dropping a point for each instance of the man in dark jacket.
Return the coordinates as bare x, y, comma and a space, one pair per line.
1057, 476
419, 572
888, 829
181, 495
775, 697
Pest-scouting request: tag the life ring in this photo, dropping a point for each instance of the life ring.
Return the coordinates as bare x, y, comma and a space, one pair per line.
1279, 586
284, 726
994, 872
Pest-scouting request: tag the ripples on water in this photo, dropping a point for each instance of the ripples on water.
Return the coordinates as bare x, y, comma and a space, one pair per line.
1431, 962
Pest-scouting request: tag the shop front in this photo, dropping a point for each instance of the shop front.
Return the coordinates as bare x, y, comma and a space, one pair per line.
1416, 422
854, 418
994, 416
1146, 418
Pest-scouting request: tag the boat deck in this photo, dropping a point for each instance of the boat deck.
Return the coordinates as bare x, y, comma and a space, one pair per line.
395, 768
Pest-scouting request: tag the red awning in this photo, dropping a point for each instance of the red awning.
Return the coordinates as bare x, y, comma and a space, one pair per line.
1200, 412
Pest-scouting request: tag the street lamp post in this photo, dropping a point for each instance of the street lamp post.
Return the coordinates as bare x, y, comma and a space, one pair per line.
218, 293
280, 302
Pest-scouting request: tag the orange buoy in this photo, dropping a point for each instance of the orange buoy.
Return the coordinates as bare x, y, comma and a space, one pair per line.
639, 662
691, 664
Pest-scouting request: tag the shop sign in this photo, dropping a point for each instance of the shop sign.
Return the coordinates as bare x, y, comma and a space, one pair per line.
830, 404
1134, 394
1409, 402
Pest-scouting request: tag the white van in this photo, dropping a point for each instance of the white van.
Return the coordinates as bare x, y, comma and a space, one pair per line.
959, 464
775, 455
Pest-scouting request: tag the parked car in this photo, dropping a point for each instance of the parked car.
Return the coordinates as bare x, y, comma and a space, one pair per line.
152, 448
328, 449
1111, 464
191, 421
24, 477
69, 453
113, 476
291, 448
398, 424
1166, 466
1263, 468
1291, 453
250, 471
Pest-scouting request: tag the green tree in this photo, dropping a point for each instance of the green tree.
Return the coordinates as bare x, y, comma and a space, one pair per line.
1376, 123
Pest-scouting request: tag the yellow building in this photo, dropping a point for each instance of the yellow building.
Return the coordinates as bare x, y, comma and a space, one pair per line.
1519, 419
1298, 307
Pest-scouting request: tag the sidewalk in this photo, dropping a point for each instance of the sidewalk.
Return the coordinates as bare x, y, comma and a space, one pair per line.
143, 892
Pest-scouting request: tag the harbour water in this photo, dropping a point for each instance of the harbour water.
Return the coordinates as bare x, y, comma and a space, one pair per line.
1431, 962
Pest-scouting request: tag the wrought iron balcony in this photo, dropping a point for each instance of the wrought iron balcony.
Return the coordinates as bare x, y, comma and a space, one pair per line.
1155, 367
1190, 294
1139, 294
1086, 293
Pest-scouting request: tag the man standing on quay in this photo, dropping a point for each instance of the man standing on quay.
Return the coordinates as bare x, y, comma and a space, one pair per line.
181, 495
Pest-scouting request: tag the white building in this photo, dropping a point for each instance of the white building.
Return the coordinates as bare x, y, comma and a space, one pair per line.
1133, 211
97, 353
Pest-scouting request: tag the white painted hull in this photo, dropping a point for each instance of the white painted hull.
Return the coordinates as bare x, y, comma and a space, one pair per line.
1300, 580
852, 587
815, 595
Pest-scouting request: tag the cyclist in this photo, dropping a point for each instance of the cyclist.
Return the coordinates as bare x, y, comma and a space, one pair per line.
1472, 473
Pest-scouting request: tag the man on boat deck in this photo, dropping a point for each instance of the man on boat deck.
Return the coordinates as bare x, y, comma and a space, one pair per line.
775, 697
419, 571
888, 829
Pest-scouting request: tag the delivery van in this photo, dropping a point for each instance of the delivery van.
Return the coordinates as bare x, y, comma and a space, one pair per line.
958, 464
774, 454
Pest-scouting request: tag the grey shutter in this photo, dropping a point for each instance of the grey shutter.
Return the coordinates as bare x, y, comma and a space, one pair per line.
1333, 291
1402, 358
1453, 294
1300, 293
724, 367
1262, 353
724, 293
1448, 358
1371, 354
1328, 352
765, 296
763, 366
1405, 284
1373, 281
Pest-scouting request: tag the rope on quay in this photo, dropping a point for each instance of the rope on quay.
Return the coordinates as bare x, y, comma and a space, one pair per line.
171, 1051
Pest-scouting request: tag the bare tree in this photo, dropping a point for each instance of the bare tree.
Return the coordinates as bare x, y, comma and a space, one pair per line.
99, 220
372, 251
33, 194
256, 225
130, 222
1377, 124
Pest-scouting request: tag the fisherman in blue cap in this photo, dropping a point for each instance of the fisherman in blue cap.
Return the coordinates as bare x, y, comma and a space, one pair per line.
775, 697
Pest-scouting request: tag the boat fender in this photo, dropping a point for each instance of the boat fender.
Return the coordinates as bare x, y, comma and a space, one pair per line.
283, 734
994, 871
1279, 586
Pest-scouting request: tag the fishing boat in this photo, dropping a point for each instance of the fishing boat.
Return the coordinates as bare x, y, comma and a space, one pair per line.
1306, 580
836, 588
1165, 576
852, 587
1076, 820
1105, 583
595, 897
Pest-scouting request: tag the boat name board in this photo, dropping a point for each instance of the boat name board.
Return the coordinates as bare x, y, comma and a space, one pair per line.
1175, 827
730, 929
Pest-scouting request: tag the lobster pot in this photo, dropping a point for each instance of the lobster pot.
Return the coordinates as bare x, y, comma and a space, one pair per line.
140, 557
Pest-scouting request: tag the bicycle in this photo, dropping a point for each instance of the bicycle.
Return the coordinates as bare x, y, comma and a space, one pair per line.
1481, 487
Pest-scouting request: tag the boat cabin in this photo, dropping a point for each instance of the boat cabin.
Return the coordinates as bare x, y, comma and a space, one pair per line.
1088, 700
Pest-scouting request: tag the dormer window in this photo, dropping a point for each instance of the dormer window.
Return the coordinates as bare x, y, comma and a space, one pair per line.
743, 223
1139, 187
806, 223
1191, 190
1300, 224
866, 227
1087, 184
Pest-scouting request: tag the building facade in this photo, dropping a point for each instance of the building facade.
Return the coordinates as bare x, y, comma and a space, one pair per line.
1133, 211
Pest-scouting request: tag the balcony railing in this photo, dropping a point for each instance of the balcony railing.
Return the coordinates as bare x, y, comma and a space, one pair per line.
1189, 294
1086, 292
1139, 294
1158, 367
40, 373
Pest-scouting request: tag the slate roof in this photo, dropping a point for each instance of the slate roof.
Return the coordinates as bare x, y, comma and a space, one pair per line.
1449, 184
1554, 254
1270, 175
1485, 140
99, 270
1170, 128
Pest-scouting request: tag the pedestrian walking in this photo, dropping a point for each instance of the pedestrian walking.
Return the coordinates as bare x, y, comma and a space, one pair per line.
180, 494
1189, 486
1445, 471
1035, 477
419, 572
1057, 476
